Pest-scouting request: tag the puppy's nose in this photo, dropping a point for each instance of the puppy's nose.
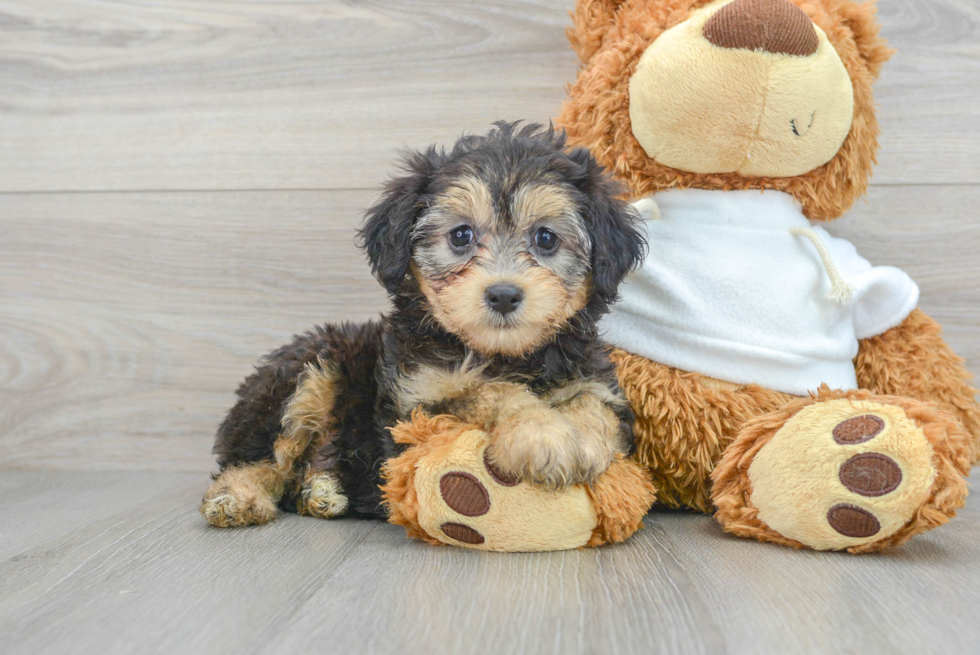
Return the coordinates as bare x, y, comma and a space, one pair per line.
504, 298
776, 26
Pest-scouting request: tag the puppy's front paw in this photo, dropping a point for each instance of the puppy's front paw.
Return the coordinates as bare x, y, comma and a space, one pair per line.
544, 448
322, 496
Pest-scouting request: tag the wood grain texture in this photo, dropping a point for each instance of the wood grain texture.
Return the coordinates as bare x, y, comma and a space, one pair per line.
38, 507
145, 574
929, 92
212, 95
129, 319
129, 95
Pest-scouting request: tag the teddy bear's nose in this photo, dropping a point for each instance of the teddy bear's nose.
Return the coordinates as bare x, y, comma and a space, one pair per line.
776, 26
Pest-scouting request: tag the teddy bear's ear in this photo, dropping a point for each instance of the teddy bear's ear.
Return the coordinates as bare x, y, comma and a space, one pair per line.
861, 20
386, 234
592, 19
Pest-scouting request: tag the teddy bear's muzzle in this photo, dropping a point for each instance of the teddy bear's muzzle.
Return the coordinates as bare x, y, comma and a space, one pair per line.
752, 87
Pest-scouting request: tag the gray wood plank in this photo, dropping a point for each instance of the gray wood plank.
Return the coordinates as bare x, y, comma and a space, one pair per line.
38, 506
129, 319
624, 599
211, 95
905, 600
153, 578
929, 92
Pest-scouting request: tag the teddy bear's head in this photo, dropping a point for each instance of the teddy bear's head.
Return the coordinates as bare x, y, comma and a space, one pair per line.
730, 94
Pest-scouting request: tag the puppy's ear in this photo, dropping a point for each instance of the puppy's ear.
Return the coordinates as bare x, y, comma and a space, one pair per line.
386, 234
618, 243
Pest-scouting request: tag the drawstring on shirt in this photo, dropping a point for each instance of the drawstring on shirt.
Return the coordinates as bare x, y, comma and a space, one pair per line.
647, 209
840, 290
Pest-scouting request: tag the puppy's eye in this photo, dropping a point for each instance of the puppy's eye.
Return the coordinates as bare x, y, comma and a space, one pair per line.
461, 236
546, 240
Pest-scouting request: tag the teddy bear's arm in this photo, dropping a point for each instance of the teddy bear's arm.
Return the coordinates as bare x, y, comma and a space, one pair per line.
913, 361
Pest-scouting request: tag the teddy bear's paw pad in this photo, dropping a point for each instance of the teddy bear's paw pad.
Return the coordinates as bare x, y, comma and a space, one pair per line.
322, 497
226, 506
464, 494
842, 473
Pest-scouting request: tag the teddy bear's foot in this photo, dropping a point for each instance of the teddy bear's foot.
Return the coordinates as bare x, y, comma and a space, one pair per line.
322, 496
843, 470
445, 489
242, 495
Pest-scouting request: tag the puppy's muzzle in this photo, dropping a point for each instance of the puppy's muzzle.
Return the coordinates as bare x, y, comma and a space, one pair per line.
504, 298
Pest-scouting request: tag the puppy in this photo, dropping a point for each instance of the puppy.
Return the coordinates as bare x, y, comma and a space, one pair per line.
499, 256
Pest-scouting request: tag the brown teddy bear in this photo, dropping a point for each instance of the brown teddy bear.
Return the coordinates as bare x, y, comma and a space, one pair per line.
779, 379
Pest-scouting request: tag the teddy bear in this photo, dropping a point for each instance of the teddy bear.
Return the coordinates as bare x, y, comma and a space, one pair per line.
779, 379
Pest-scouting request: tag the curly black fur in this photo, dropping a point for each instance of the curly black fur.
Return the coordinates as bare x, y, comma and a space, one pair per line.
371, 357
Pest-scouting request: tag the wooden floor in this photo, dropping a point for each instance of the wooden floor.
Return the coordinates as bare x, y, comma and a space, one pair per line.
122, 563
179, 184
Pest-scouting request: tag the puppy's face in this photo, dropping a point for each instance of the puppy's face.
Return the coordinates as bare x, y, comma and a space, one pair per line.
503, 266
508, 237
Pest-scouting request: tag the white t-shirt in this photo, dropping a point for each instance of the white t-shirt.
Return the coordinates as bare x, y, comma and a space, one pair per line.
729, 292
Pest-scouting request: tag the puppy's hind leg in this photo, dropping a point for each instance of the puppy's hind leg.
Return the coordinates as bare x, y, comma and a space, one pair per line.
248, 493
312, 425
244, 494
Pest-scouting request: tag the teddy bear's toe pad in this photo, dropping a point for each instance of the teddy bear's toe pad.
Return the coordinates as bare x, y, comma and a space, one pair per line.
858, 429
463, 493
852, 521
871, 474
462, 533
842, 473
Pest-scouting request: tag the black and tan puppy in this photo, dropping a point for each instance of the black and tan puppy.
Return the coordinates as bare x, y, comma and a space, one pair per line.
499, 257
